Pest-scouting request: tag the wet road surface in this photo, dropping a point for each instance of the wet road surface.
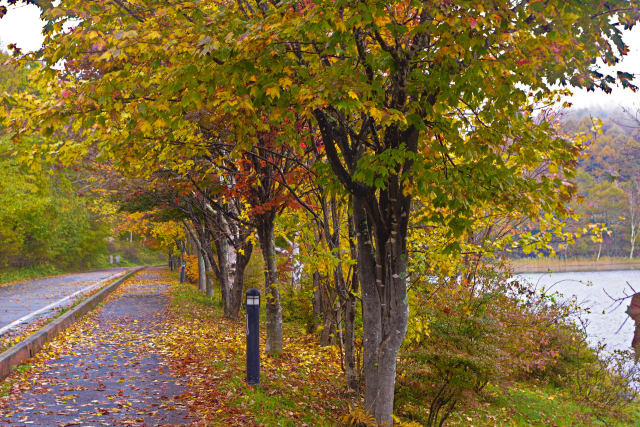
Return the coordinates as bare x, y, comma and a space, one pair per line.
22, 298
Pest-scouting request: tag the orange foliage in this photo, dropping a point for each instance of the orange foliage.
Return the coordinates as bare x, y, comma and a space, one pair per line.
191, 270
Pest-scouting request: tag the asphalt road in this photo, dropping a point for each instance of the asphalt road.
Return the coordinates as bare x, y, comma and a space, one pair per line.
19, 299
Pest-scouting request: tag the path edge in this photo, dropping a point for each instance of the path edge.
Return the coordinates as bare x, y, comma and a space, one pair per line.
32, 345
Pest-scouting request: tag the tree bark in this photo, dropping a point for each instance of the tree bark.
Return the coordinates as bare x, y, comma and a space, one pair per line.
382, 272
317, 302
351, 370
328, 332
632, 197
273, 307
201, 239
345, 298
219, 260
371, 320
202, 272
222, 251
236, 294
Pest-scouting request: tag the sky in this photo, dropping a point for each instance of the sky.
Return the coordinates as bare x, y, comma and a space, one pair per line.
22, 25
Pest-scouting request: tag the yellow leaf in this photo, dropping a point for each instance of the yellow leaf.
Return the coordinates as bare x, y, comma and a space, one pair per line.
274, 92
376, 113
285, 82
145, 126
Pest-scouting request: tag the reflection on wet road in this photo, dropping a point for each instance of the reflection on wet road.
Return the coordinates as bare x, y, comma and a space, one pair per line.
20, 299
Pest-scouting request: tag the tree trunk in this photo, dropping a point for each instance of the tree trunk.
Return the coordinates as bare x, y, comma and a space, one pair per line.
371, 320
328, 332
316, 301
208, 273
236, 294
351, 372
201, 239
274, 309
632, 198
296, 265
632, 240
382, 272
345, 299
341, 320
222, 252
202, 272
381, 215
349, 342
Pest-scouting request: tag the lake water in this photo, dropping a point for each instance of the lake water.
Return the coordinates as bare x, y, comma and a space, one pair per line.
589, 289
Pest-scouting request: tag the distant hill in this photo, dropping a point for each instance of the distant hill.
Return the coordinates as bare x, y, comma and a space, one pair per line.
608, 179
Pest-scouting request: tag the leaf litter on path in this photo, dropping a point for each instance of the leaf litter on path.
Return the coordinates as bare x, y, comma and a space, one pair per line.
105, 369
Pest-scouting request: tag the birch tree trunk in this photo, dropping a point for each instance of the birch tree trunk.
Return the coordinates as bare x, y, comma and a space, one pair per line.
202, 272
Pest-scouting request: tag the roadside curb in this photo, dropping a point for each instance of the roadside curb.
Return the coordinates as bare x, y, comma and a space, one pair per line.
30, 346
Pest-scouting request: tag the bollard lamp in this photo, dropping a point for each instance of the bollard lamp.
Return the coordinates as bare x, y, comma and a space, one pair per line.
253, 337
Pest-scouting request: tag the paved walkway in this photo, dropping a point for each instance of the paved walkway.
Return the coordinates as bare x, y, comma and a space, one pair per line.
108, 371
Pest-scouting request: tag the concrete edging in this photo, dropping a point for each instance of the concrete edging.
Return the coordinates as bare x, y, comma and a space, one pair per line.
30, 346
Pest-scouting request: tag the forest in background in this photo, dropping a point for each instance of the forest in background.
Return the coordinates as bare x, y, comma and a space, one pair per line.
53, 218
608, 180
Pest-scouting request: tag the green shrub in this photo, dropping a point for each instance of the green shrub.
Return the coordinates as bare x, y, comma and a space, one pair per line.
450, 354
470, 330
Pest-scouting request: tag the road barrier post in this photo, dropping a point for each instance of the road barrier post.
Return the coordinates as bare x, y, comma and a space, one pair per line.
182, 272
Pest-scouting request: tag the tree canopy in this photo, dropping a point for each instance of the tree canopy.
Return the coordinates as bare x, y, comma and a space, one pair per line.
431, 114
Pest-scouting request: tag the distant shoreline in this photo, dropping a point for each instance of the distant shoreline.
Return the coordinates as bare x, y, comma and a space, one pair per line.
560, 266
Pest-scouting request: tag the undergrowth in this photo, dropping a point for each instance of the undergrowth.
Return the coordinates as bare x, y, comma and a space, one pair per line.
302, 386
470, 335
481, 356
530, 404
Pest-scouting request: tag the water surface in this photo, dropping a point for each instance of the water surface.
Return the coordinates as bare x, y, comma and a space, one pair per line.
589, 289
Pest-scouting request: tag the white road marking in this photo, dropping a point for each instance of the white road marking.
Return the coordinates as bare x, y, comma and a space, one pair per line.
57, 303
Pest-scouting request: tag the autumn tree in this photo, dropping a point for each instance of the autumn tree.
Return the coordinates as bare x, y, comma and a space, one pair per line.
412, 99
265, 177
633, 211
437, 101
